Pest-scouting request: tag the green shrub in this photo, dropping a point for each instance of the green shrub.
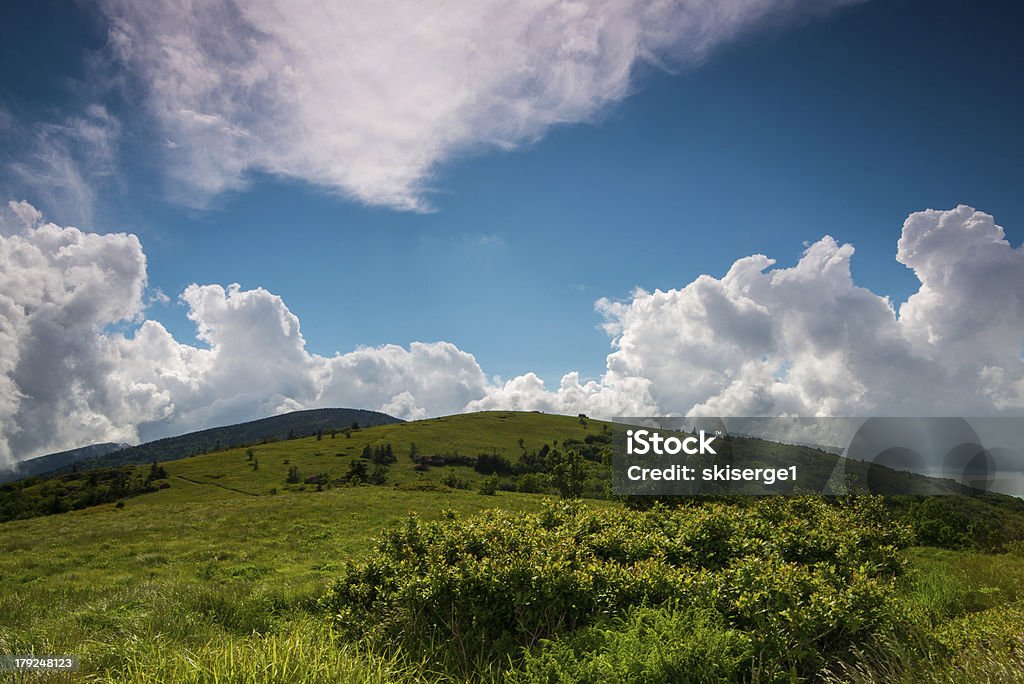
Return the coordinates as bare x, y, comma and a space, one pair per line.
532, 483
804, 580
1000, 628
452, 480
960, 522
489, 485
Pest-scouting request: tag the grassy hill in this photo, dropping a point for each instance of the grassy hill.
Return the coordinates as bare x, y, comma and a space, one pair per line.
221, 568
327, 459
456, 438
460, 452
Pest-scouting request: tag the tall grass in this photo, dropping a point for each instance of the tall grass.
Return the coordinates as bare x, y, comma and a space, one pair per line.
897, 663
304, 651
949, 584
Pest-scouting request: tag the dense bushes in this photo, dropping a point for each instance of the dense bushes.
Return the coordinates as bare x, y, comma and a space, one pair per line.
783, 585
492, 464
959, 522
35, 496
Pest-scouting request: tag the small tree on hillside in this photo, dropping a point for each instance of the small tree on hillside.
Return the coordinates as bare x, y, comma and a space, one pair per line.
379, 475
157, 472
357, 472
568, 474
384, 454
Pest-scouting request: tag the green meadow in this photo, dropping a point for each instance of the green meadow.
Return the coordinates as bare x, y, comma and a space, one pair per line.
271, 563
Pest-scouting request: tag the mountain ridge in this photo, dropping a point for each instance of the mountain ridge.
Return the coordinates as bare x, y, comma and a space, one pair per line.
272, 428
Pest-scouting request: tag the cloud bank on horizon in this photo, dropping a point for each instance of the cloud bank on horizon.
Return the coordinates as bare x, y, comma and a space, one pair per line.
80, 362
368, 98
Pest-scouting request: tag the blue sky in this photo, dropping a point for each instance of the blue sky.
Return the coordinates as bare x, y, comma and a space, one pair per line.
841, 124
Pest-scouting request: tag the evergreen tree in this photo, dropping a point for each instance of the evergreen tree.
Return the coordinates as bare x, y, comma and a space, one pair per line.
357, 472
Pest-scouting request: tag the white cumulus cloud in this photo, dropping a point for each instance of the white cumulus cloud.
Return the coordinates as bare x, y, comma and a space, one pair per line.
59, 288
760, 340
70, 376
367, 97
808, 341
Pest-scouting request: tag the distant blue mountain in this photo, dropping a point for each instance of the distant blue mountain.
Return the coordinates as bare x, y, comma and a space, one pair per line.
63, 459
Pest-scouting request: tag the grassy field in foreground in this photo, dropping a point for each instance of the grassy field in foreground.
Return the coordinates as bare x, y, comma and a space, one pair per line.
191, 564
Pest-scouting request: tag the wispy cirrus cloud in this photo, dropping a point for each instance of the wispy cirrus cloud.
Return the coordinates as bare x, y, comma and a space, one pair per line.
62, 164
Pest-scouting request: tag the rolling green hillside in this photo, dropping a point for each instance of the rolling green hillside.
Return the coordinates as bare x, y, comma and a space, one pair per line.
457, 436
220, 566
460, 452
